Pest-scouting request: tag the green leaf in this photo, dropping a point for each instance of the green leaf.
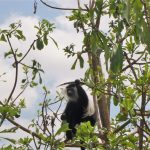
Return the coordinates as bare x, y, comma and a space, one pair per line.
3, 38
23, 80
121, 117
33, 84
117, 59
44, 88
45, 40
81, 60
63, 128
39, 44
115, 101
10, 140
40, 79
22, 103
34, 62
74, 65
25, 141
104, 45
8, 54
20, 35
54, 42
11, 130
19, 55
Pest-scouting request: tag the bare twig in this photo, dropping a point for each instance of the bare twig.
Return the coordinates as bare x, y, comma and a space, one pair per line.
122, 126
31, 67
23, 128
131, 66
132, 63
16, 73
35, 7
37, 147
44, 120
60, 8
143, 100
20, 93
139, 113
31, 46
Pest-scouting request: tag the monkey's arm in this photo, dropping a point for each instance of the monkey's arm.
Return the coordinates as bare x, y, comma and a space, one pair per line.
66, 115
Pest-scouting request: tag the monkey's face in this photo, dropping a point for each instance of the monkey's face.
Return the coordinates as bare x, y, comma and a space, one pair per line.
72, 92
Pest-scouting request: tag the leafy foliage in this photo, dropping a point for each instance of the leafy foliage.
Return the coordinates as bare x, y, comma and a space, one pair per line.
118, 75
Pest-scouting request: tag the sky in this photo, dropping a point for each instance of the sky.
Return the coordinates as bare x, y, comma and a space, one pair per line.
53, 61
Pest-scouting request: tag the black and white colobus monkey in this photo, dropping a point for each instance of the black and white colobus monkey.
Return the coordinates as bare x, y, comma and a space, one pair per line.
78, 108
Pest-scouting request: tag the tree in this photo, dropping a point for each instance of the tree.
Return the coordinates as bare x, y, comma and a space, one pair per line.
118, 75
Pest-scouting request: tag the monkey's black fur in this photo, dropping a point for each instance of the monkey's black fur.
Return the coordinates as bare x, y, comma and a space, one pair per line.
76, 108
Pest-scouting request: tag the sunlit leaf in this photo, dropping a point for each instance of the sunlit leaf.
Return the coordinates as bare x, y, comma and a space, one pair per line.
39, 44
74, 64
11, 130
10, 140
117, 59
63, 128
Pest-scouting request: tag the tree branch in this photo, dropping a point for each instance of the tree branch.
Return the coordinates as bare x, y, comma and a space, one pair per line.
16, 73
27, 51
143, 100
130, 64
134, 62
122, 126
23, 128
60, 8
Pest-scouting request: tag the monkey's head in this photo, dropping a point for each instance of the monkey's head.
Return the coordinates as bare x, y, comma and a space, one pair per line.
72, 91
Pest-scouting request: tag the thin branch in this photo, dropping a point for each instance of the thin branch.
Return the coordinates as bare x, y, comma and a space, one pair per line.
122, 126
143, 129
27, 51
11, 31
23, 128
16, 73
44, 115
142, 63
35, 142
79, 6
139, 113
20, 93
31, 67
134, 62
35, 7
56, 101
144, 121
60, 8
131, 66
143, 100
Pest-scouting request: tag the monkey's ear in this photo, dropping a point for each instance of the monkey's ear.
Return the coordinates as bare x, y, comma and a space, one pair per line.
77, 81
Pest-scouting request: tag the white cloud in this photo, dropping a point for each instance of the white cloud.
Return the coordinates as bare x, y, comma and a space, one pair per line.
54, 62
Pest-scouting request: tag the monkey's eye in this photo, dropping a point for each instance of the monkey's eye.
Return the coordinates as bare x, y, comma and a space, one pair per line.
70, 92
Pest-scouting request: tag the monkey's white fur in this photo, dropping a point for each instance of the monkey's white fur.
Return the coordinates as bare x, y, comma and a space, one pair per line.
90, 110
